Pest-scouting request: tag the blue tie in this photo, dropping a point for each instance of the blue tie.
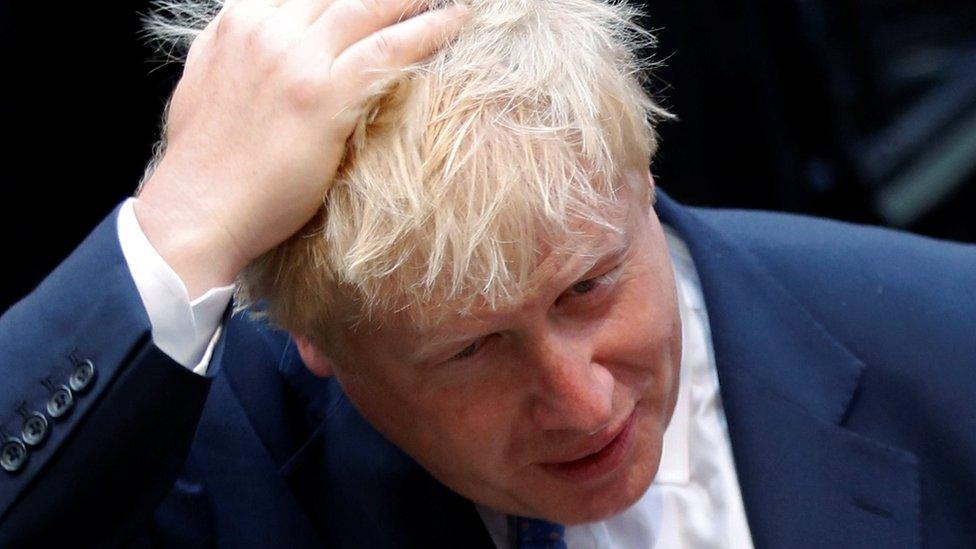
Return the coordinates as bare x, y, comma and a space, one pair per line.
537, 534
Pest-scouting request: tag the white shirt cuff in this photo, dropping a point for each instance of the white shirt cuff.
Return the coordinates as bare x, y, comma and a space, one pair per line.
186, 331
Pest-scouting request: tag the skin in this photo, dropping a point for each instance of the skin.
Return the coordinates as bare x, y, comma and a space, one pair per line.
495, 396
258, 123
255, 131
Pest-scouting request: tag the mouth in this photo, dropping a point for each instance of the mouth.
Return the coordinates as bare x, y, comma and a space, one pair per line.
600, 457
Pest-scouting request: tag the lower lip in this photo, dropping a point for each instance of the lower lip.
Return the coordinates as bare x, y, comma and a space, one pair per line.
598, 465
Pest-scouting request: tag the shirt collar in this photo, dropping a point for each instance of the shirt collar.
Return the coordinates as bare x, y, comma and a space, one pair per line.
675, 466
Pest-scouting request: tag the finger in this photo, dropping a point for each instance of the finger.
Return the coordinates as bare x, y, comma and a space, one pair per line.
201, 42
202, 45
346, 22
304, 11
243, 16
265, 2
396, 47
229, 3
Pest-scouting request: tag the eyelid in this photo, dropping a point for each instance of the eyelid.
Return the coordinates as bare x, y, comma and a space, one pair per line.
601, 284
607, 278
479, 344
610, 276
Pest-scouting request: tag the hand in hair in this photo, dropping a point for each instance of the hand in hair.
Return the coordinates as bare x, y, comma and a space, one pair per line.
258, 123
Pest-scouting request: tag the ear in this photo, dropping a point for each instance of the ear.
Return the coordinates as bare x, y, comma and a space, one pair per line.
314, 358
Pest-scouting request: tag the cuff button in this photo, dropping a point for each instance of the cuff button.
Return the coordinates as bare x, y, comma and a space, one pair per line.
35, 429
13, 456
82, 376
60, 402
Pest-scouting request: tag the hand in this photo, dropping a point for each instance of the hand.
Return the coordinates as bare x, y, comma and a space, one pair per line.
258, 123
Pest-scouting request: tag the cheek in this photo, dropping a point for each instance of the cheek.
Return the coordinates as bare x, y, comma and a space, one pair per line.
474, 418
642, 341
382, 406
458, 429
478, 438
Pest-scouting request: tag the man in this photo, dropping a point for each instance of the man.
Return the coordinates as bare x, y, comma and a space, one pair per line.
489, 336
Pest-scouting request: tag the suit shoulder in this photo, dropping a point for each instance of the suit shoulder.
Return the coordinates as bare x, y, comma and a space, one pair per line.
902, 302
822, 254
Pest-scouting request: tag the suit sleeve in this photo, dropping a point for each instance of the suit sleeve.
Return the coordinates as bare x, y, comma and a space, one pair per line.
95, 420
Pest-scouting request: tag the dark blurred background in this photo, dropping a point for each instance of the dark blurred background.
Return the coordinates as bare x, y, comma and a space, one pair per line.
862, 110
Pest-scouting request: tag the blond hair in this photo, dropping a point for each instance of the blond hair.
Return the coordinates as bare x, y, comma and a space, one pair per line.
462, 166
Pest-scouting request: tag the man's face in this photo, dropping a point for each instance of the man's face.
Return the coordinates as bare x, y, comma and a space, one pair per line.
554, 407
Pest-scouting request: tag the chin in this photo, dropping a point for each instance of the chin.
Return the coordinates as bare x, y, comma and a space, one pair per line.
605, 505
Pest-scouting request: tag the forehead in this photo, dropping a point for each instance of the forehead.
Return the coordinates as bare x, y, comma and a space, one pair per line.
562, 259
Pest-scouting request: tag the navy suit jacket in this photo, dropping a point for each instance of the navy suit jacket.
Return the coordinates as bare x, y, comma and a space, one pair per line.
846, 357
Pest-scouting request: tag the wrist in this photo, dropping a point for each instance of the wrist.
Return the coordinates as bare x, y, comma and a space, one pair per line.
190, 245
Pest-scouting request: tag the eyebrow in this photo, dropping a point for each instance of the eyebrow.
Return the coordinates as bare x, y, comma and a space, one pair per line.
606, 252
609, 253
432, 341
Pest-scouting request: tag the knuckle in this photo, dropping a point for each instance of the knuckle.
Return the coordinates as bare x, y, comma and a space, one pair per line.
307, 91
240, 20
231, 20
266, 40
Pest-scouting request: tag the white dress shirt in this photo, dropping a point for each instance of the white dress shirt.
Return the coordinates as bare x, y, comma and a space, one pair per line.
693, 502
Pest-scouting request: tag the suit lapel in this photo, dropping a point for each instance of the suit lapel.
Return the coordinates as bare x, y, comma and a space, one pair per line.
786, 386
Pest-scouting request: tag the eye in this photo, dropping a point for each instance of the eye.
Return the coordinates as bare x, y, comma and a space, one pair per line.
585, 286
593, 285
470, 350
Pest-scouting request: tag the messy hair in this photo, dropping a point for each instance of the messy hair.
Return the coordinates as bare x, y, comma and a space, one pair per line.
465, 165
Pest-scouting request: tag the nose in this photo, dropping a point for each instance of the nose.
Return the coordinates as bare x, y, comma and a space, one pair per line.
572, 392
